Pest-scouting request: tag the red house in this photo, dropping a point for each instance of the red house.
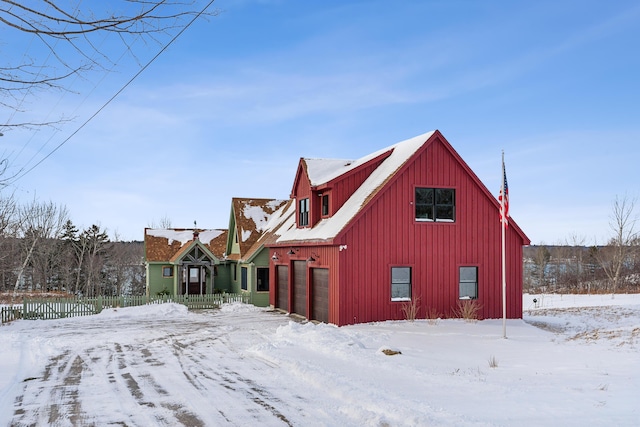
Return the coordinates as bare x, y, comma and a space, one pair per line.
410, 222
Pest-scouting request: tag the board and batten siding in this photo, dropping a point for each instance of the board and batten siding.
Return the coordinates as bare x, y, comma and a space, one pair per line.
385, 234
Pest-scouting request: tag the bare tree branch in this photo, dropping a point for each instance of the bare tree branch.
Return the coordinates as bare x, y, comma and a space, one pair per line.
75, 37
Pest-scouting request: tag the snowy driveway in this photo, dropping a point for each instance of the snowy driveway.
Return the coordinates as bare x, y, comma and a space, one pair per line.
243, 366
174, 369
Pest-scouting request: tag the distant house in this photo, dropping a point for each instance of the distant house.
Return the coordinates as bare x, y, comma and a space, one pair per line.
408, 223
251, 224
185, 261
197, 261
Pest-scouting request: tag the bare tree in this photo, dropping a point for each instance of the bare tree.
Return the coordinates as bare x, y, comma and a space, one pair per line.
125, 267
94, 241
614, 256
8, 210
38, 223
72, 38
164, 223
8, 242
541, 260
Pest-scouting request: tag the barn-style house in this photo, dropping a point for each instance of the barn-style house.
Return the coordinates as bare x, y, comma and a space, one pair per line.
357, 241
411, 222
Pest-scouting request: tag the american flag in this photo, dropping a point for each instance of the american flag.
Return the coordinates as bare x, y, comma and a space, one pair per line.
504, 205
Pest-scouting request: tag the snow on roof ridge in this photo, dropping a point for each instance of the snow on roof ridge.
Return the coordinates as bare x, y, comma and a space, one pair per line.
184, 235
320, 171
330, 227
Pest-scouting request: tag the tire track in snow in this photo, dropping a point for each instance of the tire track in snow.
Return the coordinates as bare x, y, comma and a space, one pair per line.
197, 358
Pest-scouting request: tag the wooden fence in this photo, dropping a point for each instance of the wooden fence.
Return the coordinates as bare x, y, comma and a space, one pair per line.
59, 308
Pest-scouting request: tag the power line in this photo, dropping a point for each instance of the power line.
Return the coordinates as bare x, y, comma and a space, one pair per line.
19, 175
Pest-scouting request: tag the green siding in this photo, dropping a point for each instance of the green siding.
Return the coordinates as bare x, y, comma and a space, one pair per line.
157, 283
261, 260
223, 279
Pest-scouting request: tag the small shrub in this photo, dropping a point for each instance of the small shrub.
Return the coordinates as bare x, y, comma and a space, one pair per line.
433, 316
493, 362
411, 308
468, 310
164, 291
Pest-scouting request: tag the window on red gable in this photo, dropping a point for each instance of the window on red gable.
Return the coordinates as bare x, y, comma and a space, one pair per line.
325, 205
435, 204
303, 212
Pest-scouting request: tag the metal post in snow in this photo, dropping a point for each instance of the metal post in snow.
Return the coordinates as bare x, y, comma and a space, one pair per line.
504, 245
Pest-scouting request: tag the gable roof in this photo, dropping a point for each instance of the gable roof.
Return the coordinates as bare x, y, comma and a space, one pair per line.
282, 219
252, 219
163, 244
328, 228
394, 158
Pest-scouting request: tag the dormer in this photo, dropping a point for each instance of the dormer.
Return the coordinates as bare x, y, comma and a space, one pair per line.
322, 186
248, 221
302, 194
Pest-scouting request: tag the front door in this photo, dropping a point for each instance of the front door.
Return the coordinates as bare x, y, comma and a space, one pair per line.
195, 284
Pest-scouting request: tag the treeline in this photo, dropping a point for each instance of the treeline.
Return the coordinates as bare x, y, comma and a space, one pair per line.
582, 269
42, 250
576, 268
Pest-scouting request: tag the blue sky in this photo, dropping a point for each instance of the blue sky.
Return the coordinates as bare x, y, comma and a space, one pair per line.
232, 105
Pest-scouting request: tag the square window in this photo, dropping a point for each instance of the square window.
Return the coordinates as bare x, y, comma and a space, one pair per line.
400, 283
435, 204
167, 271
468, 283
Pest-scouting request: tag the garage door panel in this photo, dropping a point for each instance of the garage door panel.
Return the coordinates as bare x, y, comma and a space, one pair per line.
300, 288
320, 294
282, 272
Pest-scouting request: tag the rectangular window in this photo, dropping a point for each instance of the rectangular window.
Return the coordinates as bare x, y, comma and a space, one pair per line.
235, 273
435, 204
243, 278
325, 205
303, 212
167, 271
262, 276
468, 282
400, 283
194, 275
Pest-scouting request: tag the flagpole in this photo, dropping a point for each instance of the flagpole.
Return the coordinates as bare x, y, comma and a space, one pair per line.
504, 245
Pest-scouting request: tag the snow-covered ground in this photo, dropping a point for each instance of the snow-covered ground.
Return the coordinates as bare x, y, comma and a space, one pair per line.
572, 361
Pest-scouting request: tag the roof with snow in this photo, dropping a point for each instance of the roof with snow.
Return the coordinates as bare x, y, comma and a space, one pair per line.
254, 218
161, 245
321, 171
280, 220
